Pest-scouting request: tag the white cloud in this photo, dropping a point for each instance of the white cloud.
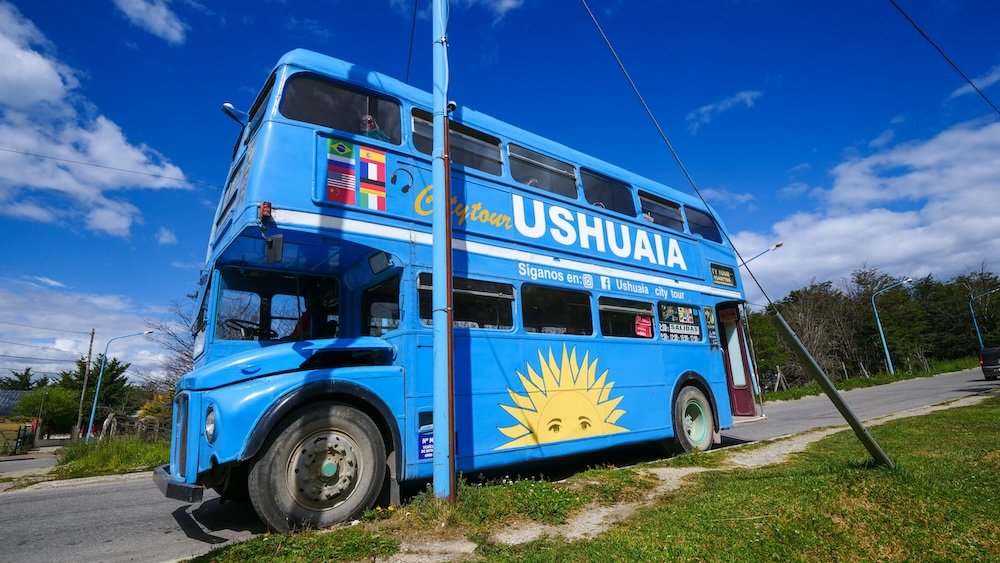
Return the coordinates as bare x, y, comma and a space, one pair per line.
982, 82
883, 139
917, 209
156, 17
41, 113
165, 236
728, 198
54, 323
498, 7
49, 281
706, 113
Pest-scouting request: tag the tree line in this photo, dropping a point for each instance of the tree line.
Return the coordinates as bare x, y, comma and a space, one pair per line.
58, 399
924, 321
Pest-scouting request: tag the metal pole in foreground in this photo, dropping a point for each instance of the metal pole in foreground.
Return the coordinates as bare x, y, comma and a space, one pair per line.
820, 376
97, 390
444, 468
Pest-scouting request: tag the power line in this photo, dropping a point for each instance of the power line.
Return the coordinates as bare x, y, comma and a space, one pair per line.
413, 28
34, 346
953, 65
37, 359
45, 328
670, 146
95, 165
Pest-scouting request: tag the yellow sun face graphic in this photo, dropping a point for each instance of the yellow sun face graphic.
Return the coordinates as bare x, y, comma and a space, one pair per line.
564, 402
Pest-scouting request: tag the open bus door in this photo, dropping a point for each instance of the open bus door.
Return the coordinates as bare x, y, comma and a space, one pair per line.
737, 358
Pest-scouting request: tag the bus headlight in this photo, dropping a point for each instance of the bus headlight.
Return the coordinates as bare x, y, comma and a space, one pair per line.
210, 424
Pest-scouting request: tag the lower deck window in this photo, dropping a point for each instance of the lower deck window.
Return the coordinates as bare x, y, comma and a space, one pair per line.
548, 310
380, 308
626, 318
477, 304
679, 322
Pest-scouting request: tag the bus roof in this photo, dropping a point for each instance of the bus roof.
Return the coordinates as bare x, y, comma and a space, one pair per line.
341, 70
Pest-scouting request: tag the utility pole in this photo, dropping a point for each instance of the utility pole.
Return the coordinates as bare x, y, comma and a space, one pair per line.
86, 373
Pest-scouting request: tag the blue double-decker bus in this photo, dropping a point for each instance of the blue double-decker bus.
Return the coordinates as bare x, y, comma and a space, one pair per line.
592, 307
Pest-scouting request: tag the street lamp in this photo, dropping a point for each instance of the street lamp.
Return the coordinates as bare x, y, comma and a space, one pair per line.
885, 347
97, 390
973, 311
774, 246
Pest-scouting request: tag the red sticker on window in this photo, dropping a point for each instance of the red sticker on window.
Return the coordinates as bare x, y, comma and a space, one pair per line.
644, 326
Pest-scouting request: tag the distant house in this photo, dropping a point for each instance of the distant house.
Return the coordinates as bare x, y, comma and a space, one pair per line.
8, 399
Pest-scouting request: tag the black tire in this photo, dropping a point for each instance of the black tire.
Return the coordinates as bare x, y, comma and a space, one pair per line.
323, 465
694, 422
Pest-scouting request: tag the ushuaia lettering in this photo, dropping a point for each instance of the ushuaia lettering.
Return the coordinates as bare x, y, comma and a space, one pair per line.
593, 233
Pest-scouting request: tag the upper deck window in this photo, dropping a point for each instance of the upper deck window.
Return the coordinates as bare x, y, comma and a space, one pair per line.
329, 104
542, 172
602, 191
468, 146
661, 212
701, 223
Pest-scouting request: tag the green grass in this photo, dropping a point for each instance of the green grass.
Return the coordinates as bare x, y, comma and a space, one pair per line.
813, 388
341, 544
940, 503
123, 455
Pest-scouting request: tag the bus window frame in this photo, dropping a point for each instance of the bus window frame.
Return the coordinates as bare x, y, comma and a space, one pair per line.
459, 136
525, 302
645, 196
348, 87
712, 221
584, 172
620, 308
425, 287
259, 109
571, 173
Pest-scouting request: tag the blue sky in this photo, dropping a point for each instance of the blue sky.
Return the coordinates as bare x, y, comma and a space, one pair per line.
831, 126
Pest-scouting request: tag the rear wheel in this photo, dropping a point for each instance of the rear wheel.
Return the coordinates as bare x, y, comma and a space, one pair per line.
694, 422
322, 466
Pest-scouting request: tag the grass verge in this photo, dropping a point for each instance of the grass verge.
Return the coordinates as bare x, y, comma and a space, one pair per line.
123, 455
941, 502
813, 388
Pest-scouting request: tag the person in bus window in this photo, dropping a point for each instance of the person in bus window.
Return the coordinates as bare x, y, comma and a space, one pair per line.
314, 322
369, 128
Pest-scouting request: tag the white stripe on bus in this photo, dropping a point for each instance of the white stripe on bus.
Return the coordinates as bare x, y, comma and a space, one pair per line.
318, 221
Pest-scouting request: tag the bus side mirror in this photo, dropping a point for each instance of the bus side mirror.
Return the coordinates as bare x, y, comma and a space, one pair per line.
274, 248
240, 117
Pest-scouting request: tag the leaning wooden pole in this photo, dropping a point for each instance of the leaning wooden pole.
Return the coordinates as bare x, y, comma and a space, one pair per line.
809, 363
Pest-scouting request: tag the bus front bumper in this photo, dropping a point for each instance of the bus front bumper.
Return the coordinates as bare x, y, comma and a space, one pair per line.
172, 488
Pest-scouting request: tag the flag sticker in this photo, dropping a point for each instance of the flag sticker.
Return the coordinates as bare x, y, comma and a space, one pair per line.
372, 174
341, 173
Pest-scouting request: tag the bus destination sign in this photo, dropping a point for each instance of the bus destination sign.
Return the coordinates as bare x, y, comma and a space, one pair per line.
723, 275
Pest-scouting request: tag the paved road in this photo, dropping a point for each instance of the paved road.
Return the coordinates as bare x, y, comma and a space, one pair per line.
127, 519
792, 417
115, 519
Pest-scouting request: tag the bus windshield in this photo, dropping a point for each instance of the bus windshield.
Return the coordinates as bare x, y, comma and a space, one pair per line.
276, 306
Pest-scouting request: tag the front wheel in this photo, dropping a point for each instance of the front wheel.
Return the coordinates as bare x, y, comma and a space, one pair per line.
323, 465
694, 423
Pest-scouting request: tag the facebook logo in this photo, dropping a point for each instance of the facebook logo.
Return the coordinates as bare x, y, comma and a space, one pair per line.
605, 282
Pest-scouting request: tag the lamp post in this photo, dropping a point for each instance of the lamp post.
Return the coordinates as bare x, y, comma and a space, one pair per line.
774, 246
885, 347
100, 376
975, 323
